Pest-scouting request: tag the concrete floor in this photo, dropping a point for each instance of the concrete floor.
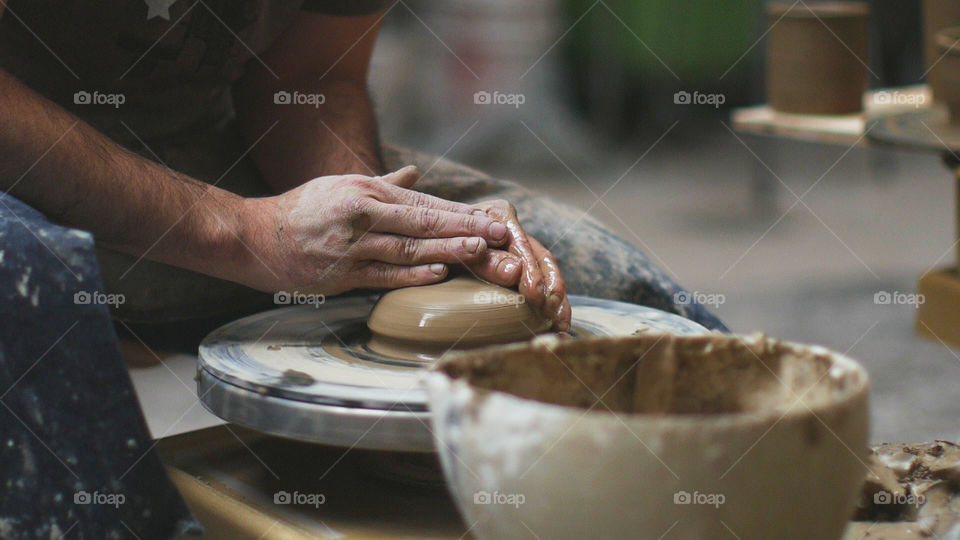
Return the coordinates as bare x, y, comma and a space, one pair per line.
873, 221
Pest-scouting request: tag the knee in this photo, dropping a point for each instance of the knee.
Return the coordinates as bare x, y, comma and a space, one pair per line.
42, 261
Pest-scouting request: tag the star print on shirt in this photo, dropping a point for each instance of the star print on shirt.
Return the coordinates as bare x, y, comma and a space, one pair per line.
159, 8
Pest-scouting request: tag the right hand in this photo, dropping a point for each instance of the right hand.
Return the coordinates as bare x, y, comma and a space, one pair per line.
540, 281
337, 233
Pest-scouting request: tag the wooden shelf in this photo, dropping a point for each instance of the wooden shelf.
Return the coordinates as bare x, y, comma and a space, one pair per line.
844, 130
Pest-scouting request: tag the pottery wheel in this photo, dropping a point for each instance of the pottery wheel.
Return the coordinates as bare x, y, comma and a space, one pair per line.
307, 372
922, 129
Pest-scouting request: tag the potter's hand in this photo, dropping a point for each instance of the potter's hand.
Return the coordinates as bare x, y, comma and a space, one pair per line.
540, 281
336, 233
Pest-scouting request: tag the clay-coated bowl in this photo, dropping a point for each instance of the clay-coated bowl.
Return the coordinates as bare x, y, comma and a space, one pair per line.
635, 437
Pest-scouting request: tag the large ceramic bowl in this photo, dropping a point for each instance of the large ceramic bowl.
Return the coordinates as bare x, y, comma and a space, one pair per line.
699, 437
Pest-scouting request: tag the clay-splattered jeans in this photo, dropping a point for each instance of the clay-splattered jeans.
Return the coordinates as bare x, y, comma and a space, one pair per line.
76, 459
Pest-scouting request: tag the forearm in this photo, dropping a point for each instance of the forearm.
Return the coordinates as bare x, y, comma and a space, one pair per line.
79, 177
338, 136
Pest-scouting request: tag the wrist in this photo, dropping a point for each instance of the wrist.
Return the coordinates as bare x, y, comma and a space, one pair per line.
251, 243
226, 232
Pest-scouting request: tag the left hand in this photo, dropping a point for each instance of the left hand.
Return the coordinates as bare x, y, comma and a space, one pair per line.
539, 278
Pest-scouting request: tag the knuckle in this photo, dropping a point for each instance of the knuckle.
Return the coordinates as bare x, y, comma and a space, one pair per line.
379, 273
384, 273
340, 238
409, 248
471, 223
344, 182
362, 182
456, 248
500, 208
418, 199
498, 259
351, 182
428, 220
358, 205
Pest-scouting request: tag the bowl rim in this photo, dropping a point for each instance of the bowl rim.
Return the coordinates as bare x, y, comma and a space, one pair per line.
786, 411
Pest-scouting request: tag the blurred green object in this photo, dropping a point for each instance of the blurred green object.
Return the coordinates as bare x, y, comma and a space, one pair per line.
696, 39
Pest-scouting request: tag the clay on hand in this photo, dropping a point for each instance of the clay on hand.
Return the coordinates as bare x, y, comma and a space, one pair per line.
539, 281
337, 233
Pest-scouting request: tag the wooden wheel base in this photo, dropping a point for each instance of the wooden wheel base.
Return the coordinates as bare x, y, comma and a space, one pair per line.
938, 317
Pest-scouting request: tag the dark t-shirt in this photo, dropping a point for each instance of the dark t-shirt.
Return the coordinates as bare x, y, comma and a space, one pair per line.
172, 61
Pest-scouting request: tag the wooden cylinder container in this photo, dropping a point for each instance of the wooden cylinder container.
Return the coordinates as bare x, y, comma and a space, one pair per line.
817, 57
937, 15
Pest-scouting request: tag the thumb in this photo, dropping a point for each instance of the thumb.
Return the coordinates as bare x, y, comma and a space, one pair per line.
405, 177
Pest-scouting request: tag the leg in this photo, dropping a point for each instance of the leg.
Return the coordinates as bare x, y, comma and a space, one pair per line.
594, 261
72, 432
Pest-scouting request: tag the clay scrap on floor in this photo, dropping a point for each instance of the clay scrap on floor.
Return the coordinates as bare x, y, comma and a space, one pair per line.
911, 492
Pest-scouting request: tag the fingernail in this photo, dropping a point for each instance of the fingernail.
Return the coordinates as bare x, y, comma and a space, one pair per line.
509, 269
472, 245
553, 302
437, 268
498, 230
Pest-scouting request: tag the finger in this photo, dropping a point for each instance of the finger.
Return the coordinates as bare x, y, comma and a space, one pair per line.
407, 250
531, 280
409, 197
405, 177
564, 316
499, 267
553, 283
378, 275
422, 222
554, 287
